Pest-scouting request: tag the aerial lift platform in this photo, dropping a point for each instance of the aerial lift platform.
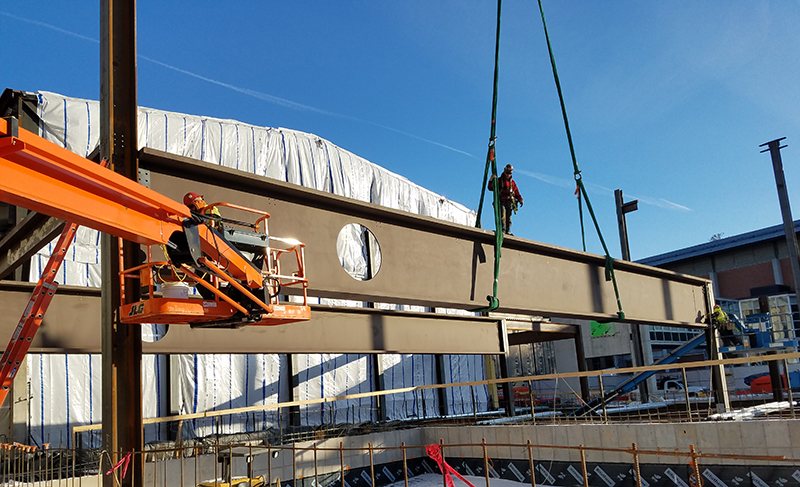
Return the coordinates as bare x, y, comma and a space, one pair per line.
236, 265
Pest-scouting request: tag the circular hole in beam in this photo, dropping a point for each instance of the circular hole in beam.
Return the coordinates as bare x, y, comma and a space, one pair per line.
359, 251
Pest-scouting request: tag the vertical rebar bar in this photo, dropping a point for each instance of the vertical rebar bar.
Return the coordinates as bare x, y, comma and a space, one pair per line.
371, 468
695, 466
583, 467
441, 450
100, 469
181, 451
216, 457
485, 461
405, 464
686, 393
294, 464
269, 464
603, 393
530, 465
636, 468
341, 461
316, 468
230, 463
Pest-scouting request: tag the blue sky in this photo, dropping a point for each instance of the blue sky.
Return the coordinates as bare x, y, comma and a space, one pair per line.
668, 101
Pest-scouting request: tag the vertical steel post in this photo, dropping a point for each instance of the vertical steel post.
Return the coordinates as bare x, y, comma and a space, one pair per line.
603, 393
638, 335
774, 147
686, 393
580, 357
789, 387
122, 344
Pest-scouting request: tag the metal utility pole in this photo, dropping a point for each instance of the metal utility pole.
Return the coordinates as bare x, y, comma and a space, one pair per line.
639, 332
121, 344
774, 147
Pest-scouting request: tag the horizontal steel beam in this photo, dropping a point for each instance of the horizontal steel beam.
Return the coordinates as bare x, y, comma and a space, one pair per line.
428, 262
25, 239
73, 322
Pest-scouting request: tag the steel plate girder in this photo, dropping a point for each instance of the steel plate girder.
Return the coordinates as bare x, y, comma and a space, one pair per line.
73, 320
433, 263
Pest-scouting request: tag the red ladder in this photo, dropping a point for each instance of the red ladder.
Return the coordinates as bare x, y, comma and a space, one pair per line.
34, 313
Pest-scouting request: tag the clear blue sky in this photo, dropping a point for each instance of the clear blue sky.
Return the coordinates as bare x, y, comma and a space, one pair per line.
667, 101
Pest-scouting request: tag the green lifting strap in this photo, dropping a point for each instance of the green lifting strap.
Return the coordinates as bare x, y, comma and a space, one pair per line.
491, 161
581, 189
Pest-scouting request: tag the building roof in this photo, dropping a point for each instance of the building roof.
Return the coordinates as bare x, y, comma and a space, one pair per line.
761, 235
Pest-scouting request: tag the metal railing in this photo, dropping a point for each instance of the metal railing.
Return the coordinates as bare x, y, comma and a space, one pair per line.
552, 404
332, 466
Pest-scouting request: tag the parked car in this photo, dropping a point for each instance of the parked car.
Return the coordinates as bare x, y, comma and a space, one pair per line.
675, 388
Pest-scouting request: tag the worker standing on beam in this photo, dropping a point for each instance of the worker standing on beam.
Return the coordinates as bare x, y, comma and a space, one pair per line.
726, 327
510, 199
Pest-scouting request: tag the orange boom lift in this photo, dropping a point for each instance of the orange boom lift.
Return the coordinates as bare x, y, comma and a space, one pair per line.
235, 265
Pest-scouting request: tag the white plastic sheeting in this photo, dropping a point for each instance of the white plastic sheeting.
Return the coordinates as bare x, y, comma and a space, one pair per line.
65, 398
410, 371
65, 391
231, 381
332, 375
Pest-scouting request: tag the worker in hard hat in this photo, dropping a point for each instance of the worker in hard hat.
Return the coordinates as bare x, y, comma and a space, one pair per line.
196, 202
510, 199
726, 327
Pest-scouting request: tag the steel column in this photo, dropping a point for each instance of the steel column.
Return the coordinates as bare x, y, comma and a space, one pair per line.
122, 344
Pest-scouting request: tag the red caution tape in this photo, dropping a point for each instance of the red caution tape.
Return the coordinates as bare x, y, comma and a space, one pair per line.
435, 453
124, 462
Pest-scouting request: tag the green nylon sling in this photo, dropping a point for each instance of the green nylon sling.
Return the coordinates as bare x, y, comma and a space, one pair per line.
581, 189
491, 161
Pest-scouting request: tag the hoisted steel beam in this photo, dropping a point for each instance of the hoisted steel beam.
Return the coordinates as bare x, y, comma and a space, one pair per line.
71, 327
428, 262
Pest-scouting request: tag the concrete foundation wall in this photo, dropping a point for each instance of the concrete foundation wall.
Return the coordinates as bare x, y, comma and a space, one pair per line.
756, 438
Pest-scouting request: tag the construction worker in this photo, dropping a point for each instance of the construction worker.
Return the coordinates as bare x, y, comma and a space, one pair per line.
196, 202
726, 327
510, 198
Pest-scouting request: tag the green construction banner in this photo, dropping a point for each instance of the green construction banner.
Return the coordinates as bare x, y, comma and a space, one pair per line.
602, 329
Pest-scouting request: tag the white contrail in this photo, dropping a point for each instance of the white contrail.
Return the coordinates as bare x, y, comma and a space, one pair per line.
569, 183
246, 91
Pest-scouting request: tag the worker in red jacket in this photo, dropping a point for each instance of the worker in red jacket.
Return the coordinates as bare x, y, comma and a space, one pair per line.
510, 198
